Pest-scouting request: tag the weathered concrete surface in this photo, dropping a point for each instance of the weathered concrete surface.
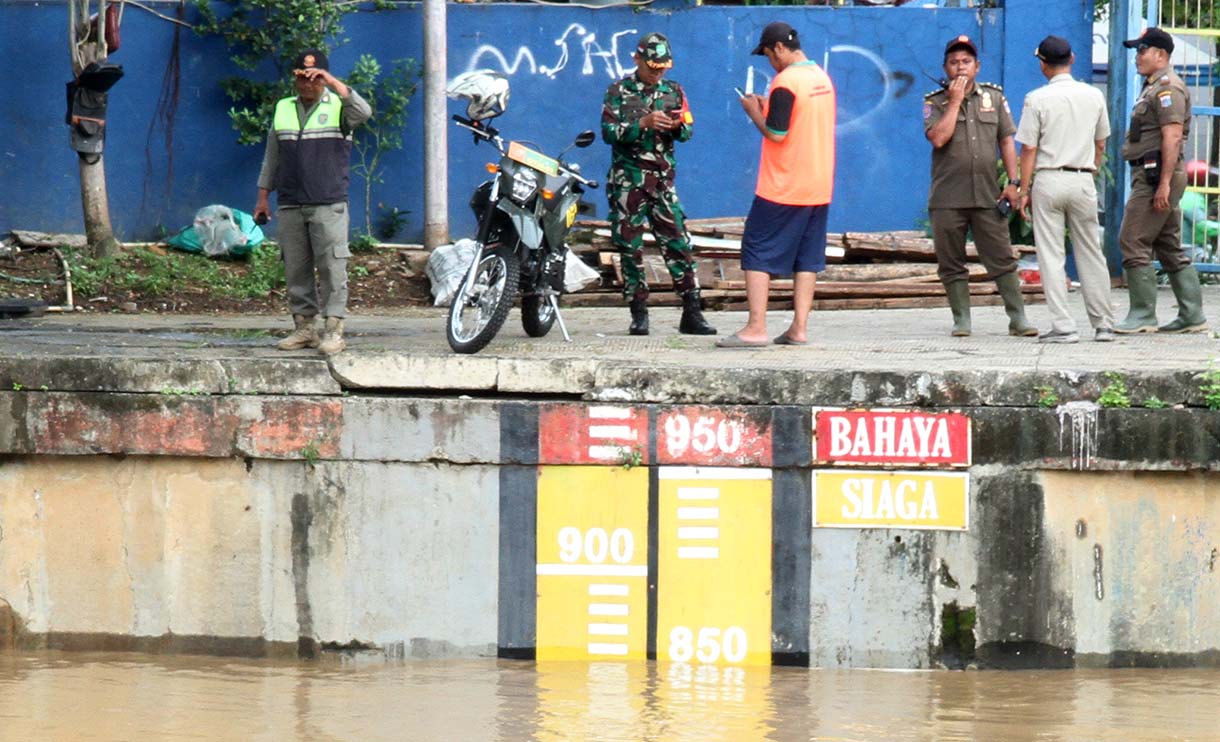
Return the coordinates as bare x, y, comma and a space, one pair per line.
867, 357
250, 559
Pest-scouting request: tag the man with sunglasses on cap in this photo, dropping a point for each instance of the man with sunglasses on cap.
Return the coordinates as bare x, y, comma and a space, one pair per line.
306, 163
785, 232
1152, 219
1063, 132
967, 122
642, 117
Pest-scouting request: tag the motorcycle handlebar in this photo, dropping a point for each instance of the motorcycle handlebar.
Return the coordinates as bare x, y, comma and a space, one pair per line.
488, 133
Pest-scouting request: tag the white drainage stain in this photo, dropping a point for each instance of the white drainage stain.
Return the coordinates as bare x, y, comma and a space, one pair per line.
1080, 418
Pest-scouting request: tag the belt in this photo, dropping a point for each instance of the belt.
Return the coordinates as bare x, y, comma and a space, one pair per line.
1073, 169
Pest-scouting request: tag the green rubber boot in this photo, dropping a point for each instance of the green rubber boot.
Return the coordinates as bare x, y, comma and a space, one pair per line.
959, 303
1186, 288
1010, 289
1141, 293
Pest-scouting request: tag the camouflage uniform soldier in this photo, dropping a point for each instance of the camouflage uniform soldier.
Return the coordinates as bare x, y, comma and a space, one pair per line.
642, 117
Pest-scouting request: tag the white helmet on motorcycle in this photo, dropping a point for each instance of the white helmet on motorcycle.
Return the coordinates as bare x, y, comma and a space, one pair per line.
486, 90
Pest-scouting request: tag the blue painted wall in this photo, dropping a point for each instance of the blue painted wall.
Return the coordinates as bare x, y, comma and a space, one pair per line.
560, 60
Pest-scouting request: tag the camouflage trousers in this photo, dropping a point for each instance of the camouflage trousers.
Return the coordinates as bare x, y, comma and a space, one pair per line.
636, 206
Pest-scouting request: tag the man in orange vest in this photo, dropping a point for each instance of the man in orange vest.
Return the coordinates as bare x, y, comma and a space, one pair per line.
785, 233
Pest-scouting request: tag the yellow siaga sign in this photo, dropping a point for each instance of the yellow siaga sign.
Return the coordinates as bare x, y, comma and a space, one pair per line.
891, 499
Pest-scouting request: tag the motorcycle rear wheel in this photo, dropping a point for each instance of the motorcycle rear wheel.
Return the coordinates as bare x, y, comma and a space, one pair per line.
475, 316
537, 315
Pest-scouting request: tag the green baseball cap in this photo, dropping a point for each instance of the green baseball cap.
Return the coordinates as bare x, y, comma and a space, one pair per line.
654, 48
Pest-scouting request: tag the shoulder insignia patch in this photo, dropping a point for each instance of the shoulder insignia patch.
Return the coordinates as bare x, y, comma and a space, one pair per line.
991, 85
1166, 99
927, 110
933, 94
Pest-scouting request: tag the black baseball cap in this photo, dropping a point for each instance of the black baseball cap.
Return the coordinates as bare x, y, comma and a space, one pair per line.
1152, 37
1054, 50
961, 42
773, 34
311, 58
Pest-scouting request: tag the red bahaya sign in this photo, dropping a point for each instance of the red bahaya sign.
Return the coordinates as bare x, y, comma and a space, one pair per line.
592, 434
713, 436
891, 437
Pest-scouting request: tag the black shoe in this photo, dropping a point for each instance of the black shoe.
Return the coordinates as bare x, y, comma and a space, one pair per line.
639, 317
692, 316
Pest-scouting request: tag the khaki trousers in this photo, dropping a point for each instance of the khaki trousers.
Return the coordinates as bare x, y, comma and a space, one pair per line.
313, 239
1062, 199
1146, 231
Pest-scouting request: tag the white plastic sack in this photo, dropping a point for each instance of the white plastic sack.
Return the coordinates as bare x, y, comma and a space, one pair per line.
217, 230
577, 275
446, 267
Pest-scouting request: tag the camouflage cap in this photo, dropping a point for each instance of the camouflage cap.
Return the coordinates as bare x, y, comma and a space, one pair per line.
655, 51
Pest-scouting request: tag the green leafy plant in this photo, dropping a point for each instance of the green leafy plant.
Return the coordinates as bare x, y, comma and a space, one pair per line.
310, 453
1047, 397
391, 221
629, 458
1114, 394
1210, 386
363, 242
389, 92
1155, 403
152, 273
17, 386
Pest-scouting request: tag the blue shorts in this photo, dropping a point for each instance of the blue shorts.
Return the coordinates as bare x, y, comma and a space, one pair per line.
781, 240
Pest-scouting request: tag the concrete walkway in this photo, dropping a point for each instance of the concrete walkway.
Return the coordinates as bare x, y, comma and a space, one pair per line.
866, 357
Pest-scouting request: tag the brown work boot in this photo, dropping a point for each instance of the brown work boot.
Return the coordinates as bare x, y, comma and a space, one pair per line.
304, 336
332, 337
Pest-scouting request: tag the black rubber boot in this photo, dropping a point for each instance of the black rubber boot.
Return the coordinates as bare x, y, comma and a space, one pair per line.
692, 316
639, 316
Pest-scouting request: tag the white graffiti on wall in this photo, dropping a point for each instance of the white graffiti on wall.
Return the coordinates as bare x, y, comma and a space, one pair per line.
489, 56
757, 81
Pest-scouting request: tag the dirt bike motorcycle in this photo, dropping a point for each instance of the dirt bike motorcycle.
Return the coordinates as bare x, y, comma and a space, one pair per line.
524, 212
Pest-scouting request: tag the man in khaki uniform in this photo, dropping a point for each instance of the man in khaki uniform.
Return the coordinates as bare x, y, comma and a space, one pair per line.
1152, 220
1063, 132
966, 124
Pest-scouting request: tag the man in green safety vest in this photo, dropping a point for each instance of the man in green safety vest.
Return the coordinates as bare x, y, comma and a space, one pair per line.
306, 164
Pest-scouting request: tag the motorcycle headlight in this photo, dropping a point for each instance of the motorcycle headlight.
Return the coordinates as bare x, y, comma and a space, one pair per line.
525, 182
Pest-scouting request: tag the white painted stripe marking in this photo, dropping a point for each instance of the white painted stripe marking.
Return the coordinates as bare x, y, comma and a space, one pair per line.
607, 609
696, 532
698, 493
616, 432
698, 552
594, 570
609, 413
603, 648
711, 472
608, 629
600, 589
698, 513
608, 453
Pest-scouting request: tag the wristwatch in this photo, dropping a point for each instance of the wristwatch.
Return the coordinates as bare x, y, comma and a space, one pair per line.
1015, 182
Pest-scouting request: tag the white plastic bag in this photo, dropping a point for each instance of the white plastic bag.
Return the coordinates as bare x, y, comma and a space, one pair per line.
446, 267
217, 229
577, 275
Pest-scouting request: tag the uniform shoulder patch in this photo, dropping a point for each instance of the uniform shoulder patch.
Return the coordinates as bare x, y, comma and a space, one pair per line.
933, 94
992, 85
1166, 98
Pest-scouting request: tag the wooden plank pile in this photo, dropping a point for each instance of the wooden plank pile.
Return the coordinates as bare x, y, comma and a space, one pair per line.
865, 270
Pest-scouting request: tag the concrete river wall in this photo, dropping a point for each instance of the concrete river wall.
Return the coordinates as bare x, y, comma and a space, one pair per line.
869, 520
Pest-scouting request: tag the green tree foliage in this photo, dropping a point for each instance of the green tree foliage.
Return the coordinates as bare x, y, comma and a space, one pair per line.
275, 31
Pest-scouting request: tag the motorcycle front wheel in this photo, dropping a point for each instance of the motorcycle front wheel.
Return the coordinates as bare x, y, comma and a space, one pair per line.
478, 313
537, 315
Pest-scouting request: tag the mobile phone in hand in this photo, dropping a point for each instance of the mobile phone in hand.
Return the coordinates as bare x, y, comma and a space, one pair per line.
738, 91
1004, 206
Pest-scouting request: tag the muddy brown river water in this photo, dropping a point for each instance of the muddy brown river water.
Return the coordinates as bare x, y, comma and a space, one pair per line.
134, 697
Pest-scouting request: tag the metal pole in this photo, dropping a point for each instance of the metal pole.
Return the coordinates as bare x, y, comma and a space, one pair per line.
1122, 88
436, 140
